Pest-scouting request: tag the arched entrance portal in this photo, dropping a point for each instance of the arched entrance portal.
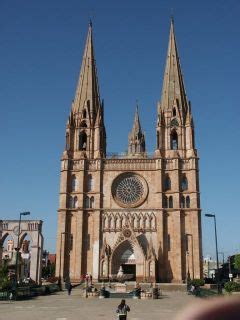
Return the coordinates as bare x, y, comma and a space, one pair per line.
130, 257
30, 242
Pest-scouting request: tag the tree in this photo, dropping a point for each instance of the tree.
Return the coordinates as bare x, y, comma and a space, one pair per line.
3, 276
237, 263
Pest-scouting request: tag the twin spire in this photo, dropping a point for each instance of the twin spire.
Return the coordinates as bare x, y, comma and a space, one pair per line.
87, 107
173, 90
87, 91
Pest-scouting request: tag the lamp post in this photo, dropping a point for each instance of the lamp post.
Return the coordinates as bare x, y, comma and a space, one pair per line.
222, 253
26, 213
209, 215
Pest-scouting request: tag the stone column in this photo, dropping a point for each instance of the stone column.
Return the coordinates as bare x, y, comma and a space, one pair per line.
177, 246
95, 242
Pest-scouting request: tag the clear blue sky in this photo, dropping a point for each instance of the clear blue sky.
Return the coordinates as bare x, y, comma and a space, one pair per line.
41, 49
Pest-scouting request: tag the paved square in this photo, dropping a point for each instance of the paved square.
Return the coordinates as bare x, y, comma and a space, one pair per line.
63, 307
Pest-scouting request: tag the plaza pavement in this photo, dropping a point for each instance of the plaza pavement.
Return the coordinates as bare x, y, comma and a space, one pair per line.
60, 306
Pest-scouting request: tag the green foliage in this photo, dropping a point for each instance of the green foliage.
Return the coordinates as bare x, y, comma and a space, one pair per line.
48, 271
197, 282
4, 281
237, 261
231, 286
3, 274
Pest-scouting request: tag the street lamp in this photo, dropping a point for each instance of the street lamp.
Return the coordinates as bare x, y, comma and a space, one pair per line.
222, 253
26, 213
209, 215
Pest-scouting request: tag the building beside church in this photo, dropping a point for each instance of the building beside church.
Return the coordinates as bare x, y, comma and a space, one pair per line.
138, 212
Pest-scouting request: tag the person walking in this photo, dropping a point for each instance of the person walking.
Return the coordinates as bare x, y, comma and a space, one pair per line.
69, 288
122, 310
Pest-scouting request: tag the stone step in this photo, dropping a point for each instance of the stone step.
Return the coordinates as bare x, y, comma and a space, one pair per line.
121, 295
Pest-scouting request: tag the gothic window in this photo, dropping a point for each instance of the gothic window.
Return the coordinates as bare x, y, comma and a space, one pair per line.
90, 182
83, 124
184, 183
188, 202
75, 202
74, 183
174, 112
67, 146
167, 183
84, 113
88, 103
92, 202
182, 202
87, 202
165, 202
174, 140
70, 202
82, 140
170, 202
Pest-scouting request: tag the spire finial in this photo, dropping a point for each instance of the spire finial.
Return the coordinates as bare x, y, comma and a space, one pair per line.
172, 16
137, 105
90, 22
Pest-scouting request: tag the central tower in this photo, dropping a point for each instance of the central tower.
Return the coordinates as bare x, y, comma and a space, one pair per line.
134, 212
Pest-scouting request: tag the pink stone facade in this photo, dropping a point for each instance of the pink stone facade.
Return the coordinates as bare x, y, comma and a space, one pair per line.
136, 212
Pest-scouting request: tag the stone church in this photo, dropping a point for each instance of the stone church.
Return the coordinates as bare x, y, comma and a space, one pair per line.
137, 213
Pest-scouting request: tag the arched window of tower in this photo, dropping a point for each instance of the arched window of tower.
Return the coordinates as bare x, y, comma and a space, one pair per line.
174, 140
88, 103
184, 183
67, 146
167, 183
84, 114
92, 202
182, 202
90, 183
70, 202
75, 202
170, 202
174, 112
165, 201
82, 140
83, 124
87, 202
188, 202
74, 184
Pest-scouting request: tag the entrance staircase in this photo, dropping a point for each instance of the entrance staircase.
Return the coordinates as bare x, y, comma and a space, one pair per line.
120, 295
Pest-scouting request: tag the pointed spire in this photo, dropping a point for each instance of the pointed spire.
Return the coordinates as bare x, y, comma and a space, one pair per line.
136, 125
87, 92
173, 90
136, 138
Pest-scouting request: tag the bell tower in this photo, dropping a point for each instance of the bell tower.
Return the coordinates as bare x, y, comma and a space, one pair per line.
85, 132
80, 189
175, 129
180, 173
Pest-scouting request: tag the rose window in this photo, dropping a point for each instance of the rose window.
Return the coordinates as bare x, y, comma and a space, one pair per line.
129, 190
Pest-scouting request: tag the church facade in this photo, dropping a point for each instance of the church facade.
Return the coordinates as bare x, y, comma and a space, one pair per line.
136, 213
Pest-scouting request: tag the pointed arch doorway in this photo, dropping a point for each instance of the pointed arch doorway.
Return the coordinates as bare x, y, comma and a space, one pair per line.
128, 256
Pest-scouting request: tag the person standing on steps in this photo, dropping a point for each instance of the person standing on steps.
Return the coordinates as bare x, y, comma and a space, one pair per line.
122, 310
